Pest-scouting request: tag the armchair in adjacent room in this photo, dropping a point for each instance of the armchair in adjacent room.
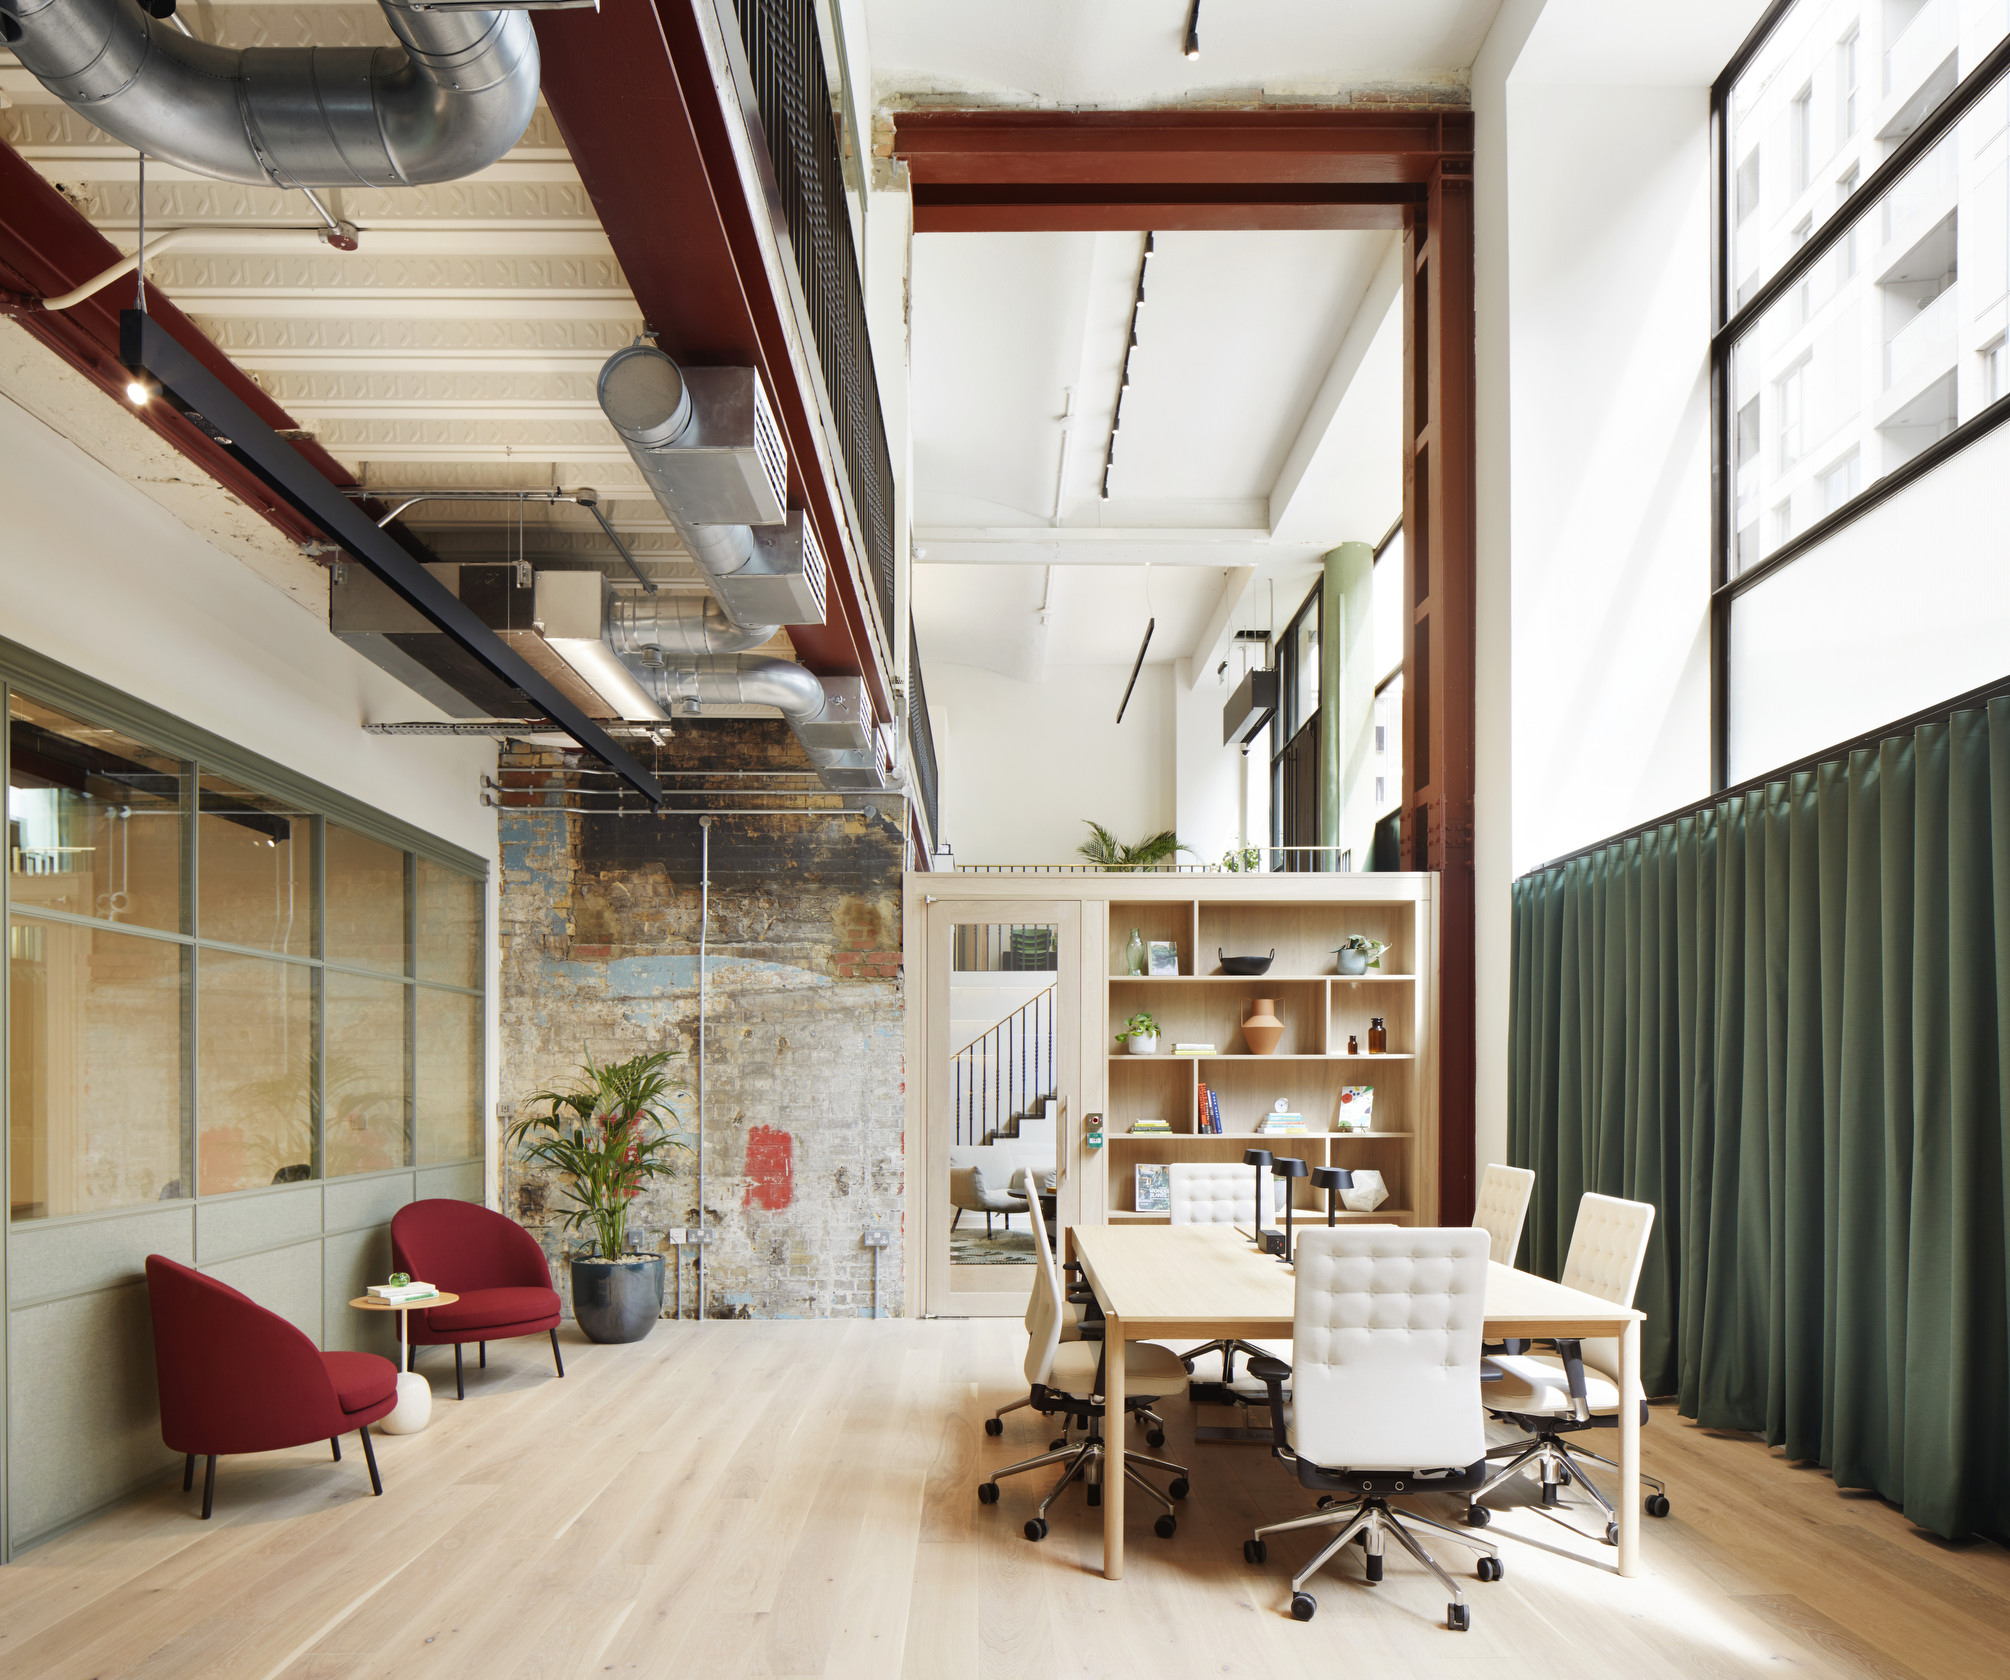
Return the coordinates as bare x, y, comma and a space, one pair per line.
236, 1378
491, 1262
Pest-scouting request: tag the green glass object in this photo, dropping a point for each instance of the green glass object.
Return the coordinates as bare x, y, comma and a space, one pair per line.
1134, 953
400, 1279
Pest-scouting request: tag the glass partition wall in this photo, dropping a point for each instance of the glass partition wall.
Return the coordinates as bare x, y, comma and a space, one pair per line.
213, 988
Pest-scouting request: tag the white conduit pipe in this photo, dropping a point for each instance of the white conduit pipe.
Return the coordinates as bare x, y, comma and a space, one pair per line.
215, 239
704, 918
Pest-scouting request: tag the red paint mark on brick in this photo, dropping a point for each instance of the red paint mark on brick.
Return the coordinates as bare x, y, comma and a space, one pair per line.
771, 1168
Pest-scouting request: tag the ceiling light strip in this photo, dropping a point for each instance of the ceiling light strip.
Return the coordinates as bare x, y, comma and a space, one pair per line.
1123, 385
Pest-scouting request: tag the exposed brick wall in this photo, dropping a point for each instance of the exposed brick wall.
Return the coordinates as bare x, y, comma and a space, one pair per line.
804, 1045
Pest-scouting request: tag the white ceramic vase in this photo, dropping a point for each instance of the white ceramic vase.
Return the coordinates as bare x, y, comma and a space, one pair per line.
1140, 1046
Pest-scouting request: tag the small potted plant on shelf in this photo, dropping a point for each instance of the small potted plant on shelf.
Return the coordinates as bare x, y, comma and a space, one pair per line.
1140, 1036
609, 1135
1359, 953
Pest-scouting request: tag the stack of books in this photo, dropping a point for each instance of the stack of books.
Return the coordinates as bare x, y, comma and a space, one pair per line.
1281, 1125
1185, 1049
1208, 1117
1150, 1128
399, 1293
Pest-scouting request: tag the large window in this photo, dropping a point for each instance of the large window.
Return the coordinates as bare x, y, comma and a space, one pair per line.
1864, 238
212, 988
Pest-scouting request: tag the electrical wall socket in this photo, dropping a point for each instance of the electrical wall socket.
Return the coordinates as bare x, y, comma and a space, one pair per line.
674, 1236
878, 1236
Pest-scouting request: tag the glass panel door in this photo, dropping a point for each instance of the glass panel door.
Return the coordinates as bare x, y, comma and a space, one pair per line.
1001, 1042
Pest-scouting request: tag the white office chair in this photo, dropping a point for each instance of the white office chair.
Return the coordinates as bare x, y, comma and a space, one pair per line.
1386, 1403
1071, 1331
1576, 1388
1066, 1377
1502, 1208
1218, 1193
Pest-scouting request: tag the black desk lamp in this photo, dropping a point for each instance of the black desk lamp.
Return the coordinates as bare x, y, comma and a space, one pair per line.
1288, 1167
1332, 1180
1259, 1159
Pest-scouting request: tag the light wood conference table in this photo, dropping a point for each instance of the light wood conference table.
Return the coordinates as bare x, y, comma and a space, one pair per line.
1192, 1283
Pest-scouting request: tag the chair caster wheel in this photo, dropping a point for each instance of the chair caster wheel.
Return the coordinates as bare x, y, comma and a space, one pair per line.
1612, 1534
1155, 1437
1255, 1551
1188, 1363
1036, 1528
1478, 1516
987, 1493
1657, 1504
1563, 1477
1095, 1494
994, 1426
1178, 1488
1373, 1563
1324, 1502
1552, 1493
1058, 1446
1490, 1569
1303, 1605
1165, 1526
1458, 1617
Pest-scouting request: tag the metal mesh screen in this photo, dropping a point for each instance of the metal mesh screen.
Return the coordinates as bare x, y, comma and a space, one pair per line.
786, 62
921, 738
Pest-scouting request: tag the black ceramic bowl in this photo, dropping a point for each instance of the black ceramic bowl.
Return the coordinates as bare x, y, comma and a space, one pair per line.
1245, 965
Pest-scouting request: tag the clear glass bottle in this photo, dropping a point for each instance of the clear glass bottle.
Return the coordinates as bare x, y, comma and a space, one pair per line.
1134, 953
1378, 1037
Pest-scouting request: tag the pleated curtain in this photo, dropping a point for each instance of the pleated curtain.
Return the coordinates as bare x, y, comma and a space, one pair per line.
1783, 1022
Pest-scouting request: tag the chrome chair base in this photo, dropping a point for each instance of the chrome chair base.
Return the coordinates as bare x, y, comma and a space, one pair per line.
1371, 1521
1086, 1462
1555, 1462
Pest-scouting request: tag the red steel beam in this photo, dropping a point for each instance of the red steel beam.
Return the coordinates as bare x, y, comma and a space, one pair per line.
47, 246
631, 92
1360, 147
1146, 207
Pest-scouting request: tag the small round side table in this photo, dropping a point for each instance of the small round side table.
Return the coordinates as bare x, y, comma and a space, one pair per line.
415, 1394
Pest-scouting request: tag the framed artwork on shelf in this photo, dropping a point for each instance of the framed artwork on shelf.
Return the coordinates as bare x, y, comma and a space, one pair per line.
1357, 1109
1154, 1188
1163, 957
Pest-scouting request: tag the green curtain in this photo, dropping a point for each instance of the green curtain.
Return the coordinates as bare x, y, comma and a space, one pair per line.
1783, 1021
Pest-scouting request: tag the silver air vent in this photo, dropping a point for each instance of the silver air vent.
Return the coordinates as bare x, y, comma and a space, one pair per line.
783, 579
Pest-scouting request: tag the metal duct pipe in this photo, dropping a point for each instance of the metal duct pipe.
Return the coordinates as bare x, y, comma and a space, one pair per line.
644, 395
733, 680
678, 625
453, 101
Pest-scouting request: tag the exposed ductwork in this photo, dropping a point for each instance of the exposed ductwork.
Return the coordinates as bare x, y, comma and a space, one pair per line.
453, 101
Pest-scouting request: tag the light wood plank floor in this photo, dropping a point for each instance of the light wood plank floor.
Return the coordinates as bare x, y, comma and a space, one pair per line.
799, 1499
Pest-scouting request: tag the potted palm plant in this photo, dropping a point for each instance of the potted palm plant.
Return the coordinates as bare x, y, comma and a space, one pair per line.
608, 1134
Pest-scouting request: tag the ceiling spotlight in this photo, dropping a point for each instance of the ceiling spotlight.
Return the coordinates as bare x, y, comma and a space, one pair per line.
139, 389
1192, 47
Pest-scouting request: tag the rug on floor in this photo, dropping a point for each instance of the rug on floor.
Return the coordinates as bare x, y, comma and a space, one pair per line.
1005, 1248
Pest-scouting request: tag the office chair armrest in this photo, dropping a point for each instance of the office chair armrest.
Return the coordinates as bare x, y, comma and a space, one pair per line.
1272, 1374
1572, 1354
1490, 1372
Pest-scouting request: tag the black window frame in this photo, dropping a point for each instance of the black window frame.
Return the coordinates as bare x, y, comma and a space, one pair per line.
1728, 325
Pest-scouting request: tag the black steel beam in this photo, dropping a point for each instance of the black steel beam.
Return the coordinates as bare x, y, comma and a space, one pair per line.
151, 351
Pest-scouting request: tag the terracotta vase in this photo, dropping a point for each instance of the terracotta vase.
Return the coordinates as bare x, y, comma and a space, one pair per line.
1261, 1028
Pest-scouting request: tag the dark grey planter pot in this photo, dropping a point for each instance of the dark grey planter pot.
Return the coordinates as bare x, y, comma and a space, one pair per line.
617, 1300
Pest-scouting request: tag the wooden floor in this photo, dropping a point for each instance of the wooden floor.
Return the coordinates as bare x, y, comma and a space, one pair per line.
799, 1499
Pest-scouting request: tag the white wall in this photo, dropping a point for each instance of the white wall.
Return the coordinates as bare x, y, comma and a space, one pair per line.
1025, 765
1208, 796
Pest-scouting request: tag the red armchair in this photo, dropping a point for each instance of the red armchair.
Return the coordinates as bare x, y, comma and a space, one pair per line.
235, 1378
487, 1259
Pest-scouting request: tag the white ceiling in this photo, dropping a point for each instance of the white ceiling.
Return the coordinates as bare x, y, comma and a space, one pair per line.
1128, 51
1261, 427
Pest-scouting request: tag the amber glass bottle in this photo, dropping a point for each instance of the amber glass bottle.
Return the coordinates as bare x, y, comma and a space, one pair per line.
1378, 1037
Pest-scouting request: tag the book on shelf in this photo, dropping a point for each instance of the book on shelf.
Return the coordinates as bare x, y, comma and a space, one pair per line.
1153, 1188
1214, 1112
1150, 1128
1182, 1049
1281, 1125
